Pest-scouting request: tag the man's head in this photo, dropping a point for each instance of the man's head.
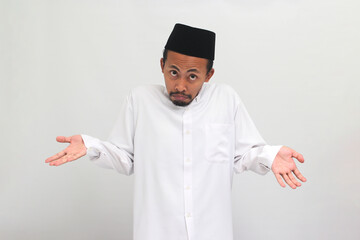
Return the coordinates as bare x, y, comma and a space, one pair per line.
187, 62
184, 76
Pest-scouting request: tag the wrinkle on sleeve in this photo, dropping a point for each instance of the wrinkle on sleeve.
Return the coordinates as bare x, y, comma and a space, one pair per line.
118, 152
251, 151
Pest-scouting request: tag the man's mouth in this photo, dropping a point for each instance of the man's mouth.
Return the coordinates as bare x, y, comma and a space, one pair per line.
180, 96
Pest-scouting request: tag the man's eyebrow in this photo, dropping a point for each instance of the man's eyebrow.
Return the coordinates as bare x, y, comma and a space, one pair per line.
193, 70
173, 66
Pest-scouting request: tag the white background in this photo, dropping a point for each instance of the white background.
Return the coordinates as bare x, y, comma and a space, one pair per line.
66, 65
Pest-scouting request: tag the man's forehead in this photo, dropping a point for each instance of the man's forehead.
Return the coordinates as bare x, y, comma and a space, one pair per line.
191, 69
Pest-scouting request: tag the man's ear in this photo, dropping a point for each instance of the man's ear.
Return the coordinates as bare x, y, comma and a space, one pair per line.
209, 75
162, 63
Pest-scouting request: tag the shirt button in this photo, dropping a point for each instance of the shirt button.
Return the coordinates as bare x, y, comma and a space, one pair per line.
187, 187
188, 160
188, 215
187, 132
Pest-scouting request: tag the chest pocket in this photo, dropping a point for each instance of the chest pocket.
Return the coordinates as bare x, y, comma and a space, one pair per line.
218, 142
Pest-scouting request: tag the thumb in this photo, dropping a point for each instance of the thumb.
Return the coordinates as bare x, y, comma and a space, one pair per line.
63, 139
298, 156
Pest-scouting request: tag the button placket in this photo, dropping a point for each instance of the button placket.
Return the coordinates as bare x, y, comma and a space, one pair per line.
188, 195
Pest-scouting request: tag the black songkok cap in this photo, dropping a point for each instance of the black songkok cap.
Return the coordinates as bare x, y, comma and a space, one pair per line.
192, 41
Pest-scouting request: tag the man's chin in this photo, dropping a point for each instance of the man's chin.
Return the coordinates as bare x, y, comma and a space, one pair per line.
180, 103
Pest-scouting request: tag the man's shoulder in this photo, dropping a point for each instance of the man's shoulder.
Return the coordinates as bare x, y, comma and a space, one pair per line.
222, 90
223, 87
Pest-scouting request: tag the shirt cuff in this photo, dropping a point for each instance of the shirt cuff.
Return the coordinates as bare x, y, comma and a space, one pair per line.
267, 155
93, 146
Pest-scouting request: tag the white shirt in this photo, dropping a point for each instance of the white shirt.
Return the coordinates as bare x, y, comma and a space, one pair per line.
183, 160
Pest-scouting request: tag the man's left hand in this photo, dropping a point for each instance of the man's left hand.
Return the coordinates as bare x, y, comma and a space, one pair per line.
285, 168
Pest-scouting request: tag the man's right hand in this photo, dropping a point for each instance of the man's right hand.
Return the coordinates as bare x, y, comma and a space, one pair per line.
75, 150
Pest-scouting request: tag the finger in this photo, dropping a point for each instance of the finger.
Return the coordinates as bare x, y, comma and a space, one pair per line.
63, 139
299, 175
60, 161
293, 180
288, 181
298, 156
73, 157
56, 156
65, 159
279, 179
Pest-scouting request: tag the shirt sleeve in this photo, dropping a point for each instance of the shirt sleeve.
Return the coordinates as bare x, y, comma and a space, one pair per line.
251, 151
116, 153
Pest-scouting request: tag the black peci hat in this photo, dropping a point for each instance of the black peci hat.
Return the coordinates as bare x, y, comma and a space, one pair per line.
192, 41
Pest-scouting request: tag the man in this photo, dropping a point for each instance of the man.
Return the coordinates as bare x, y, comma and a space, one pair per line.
183, 142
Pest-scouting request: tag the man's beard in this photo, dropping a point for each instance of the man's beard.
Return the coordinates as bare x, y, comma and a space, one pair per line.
179, 102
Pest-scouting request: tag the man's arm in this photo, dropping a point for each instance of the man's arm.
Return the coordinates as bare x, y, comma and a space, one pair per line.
116, 153
104, 154
252, 153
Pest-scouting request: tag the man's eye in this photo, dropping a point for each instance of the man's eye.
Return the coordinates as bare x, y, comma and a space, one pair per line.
173, 73
193, 77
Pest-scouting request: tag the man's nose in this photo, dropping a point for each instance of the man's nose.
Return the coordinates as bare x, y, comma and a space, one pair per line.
181, 85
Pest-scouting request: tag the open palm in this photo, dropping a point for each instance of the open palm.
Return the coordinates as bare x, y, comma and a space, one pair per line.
75, 150
285, 168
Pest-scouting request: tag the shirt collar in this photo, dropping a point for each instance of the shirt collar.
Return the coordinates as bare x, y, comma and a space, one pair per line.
201, 92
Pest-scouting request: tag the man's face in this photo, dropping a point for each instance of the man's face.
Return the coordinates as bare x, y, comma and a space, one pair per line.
184, 76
